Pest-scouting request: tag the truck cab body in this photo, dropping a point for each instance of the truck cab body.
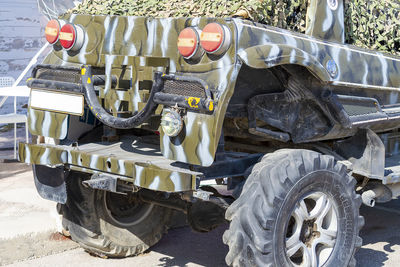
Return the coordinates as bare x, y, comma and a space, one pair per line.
138, 112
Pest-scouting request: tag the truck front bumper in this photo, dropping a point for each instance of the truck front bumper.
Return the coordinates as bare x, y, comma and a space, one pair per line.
133, 160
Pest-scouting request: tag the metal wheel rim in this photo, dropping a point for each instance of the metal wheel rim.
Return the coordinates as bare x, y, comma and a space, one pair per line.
138, 214
312, 231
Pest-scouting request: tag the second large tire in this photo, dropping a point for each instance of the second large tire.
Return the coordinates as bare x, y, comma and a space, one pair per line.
111, 225
297, 208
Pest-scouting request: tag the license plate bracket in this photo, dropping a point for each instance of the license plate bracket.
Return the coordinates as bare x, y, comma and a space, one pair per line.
57, 101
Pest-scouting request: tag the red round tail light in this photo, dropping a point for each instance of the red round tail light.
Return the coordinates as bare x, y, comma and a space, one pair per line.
215, 38
52, 31
72, 37
189, 44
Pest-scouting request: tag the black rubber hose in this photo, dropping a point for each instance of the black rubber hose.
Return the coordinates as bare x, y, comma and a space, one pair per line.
102, 115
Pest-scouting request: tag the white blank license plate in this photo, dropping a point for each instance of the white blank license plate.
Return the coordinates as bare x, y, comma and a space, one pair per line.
62, 102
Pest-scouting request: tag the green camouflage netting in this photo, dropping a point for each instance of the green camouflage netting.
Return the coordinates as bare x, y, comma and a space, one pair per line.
373, 24
288, 14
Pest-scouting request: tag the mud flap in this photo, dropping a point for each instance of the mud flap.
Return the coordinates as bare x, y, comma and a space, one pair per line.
50, 183
366, 151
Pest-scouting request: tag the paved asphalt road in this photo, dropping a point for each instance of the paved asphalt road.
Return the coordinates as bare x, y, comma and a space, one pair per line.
180, 247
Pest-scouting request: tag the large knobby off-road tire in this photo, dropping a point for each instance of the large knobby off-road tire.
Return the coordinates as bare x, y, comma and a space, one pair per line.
297, 208
109, 224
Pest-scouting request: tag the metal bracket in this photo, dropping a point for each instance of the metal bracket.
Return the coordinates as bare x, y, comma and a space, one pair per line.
103, 182
203, 195
365, 151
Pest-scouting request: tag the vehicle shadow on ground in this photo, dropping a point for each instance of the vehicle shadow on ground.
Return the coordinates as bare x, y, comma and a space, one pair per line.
184, 246
380, 231
380, 234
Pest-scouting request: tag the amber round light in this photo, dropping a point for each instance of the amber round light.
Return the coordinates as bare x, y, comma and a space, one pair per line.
188, 41
68, 36
52, 31
212, 37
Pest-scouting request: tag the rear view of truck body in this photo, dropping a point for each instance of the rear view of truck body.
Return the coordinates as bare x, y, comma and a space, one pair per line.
133, 114
124, 53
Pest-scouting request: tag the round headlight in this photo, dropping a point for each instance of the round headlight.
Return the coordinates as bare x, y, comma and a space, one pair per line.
52, 31
171, 123
188, 43
215, 38
72, 37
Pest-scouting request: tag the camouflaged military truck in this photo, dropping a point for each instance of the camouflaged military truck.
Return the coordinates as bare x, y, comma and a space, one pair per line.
135, 116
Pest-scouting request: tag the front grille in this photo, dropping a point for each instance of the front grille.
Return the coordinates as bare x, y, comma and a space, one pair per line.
59, 75
184, 88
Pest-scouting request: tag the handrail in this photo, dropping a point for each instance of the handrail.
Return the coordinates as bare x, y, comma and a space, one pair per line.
30, 64
25, 71
22, 90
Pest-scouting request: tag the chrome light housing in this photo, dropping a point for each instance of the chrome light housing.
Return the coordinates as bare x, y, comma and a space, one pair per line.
171, 122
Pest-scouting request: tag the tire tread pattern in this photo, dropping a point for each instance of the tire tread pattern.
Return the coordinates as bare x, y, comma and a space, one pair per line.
253, 214
82, 219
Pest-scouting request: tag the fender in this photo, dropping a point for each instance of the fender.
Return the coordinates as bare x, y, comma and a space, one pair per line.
271, 55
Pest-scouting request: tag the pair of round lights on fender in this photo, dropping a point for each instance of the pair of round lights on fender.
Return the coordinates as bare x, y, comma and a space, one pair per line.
69, 36
214, 39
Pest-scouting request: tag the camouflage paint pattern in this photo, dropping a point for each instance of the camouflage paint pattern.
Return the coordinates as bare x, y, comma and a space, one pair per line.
49, 124
137, 46
333, 63
45, 123
140, 55
325, 20
142, 173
